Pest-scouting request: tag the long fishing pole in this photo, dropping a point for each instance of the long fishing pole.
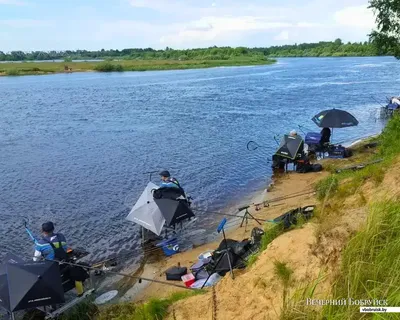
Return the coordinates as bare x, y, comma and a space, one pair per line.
378, 102
119, 274
265, 203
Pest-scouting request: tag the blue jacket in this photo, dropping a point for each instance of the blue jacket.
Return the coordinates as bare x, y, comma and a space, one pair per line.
43, 249
170, 183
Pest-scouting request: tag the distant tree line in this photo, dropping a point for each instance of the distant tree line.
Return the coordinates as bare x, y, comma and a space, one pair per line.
321, 49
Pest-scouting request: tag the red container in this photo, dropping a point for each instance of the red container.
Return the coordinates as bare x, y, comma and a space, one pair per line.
188, 279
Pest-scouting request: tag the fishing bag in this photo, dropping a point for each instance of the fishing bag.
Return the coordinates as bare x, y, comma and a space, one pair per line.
175, 273
303, 166
316, 167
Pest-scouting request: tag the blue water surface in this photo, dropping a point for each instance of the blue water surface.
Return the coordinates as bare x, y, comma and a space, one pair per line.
74, 147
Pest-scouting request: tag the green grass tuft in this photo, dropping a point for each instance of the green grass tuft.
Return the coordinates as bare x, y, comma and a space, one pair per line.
12, 72
154, 309
327, 187
86, 310
371, 264
283, 272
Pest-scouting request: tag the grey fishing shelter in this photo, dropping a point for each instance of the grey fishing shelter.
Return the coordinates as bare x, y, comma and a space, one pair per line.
289, 147
146, 212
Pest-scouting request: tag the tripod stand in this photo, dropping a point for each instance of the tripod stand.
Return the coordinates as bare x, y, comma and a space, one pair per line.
226, 252
246, 216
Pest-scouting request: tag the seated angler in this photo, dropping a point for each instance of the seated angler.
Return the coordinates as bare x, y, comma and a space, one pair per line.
167, 181
300, 152
53, 246
325, 136
169, 187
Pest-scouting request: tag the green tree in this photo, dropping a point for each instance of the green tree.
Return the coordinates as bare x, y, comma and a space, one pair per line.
387, 35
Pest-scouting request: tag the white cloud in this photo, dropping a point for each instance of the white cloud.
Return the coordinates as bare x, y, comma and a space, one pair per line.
357, 16
228, 30
282, 36
218, 29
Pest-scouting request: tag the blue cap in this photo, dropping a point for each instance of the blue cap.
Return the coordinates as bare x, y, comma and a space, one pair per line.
165, 173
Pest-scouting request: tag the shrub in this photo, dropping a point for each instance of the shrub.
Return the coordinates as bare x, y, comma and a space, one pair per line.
108, 67
12, 72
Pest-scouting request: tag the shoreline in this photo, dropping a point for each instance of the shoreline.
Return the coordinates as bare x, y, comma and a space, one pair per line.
47, 68
276, 187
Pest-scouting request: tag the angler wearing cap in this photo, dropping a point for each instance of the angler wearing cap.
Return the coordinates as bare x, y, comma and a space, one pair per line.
170, 187
52, 246
167, 181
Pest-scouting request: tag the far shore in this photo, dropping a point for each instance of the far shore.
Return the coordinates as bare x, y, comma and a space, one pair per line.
41, 68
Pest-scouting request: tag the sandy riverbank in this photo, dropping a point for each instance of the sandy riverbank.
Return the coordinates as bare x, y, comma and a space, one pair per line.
285, 185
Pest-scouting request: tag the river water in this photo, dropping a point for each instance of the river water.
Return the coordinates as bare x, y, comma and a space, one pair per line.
74, 147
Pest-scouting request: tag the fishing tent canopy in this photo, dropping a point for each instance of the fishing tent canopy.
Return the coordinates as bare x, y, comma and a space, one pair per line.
334, 118
146, 213
289, 147
4, 296
174, 211
30, 284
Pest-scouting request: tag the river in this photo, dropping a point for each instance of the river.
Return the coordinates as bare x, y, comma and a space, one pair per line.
74, 147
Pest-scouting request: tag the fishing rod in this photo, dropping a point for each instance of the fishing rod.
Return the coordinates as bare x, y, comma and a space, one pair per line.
276, 139
358, 166
303, 127
140, 279
150, 173
264, 203
376, 100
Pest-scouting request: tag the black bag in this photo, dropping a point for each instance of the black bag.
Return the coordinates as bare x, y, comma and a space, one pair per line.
348, 153
316, 167
175, 273
303, 166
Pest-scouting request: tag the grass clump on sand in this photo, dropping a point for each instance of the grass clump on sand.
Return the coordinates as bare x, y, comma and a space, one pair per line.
85, 310
154, 309
371, 264
284, 273
12, 72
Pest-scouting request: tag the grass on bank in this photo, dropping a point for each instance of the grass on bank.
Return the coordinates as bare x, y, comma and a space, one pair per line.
154, 309
370, 267
35, 68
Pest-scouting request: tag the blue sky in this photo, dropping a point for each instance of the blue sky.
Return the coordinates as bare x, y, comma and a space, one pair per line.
88, 24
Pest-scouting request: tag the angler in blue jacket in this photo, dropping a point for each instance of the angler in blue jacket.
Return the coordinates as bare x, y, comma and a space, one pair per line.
167, 181
52, 246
